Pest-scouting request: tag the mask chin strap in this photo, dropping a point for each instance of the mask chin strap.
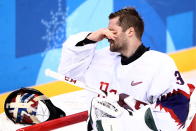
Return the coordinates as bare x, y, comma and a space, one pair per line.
54, 111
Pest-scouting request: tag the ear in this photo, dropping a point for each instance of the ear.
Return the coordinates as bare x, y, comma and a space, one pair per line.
130, 31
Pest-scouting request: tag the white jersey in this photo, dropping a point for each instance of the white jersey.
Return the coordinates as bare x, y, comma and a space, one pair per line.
152, 79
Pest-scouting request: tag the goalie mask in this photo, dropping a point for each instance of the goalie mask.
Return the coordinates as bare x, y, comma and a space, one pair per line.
30, 106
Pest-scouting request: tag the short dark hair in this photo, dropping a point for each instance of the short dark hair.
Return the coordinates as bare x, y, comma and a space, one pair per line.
129, 17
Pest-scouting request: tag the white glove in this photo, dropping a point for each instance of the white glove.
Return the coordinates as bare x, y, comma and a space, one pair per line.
107, 115
107, 106
104, 114
114, 105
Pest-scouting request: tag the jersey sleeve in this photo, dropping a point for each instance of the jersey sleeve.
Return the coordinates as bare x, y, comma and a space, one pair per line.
75, 59
170, 96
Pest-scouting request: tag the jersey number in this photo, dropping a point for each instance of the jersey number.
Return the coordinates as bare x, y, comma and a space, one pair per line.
180, 81
104, 87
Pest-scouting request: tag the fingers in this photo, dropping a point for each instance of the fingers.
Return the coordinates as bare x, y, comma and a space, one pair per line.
102, 34
109, 34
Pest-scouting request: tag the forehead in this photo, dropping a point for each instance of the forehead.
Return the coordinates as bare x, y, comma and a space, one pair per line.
113, 23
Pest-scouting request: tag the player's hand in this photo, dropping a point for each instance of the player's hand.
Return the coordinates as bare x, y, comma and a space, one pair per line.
102, 34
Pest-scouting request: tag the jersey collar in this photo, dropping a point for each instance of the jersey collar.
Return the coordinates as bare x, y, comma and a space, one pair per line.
139, 52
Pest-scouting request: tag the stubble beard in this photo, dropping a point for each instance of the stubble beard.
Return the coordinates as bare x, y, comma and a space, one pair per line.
115, 47
119, 45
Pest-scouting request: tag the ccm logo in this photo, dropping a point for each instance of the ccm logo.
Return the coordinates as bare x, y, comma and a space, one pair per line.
70, 79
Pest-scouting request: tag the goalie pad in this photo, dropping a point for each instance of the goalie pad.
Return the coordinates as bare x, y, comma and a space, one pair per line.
30, 106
